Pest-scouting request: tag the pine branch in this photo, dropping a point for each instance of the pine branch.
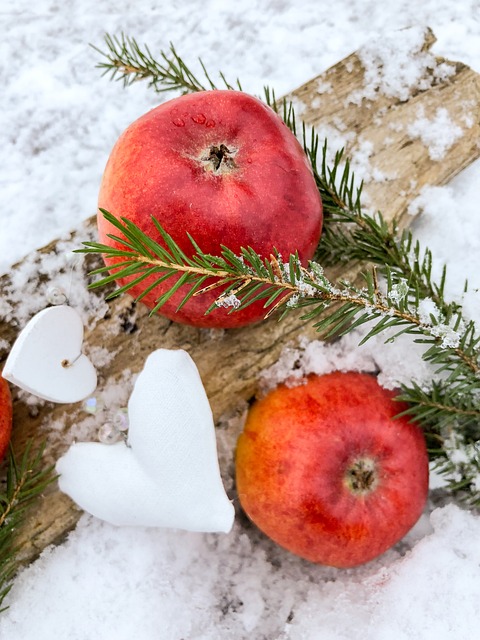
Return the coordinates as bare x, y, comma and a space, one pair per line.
349, 235
126, 61
407, 299
239, 277
334, 308
25, 481
459, 463
453, 349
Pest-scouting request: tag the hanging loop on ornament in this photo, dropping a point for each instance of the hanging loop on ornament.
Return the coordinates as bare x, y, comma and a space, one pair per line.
57, 295
69, 363
74, 259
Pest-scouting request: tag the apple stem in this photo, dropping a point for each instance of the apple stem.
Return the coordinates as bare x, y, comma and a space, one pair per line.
361, 476
219, 155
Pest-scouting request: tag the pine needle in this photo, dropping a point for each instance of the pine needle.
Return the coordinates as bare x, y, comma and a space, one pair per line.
26, 479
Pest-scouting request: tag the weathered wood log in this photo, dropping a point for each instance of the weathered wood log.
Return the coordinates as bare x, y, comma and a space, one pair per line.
378, 126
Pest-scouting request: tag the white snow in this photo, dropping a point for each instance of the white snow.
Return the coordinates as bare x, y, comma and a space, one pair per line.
438, 134
407, 599
59, 122
228, 301
107, 582
395, 67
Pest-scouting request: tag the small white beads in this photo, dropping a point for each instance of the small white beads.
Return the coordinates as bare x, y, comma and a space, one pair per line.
116, 423
93, 405
108, 433
56, 296
120, 420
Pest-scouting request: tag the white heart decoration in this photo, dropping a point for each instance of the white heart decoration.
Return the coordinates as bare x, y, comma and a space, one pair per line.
47, 358
167, 474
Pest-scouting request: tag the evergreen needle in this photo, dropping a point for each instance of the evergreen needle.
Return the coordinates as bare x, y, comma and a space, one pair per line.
26, 479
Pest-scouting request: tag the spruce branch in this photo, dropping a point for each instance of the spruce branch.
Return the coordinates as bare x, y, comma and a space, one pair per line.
245, 279
25, 480
397, 292
125, 60
452, 345
459, 463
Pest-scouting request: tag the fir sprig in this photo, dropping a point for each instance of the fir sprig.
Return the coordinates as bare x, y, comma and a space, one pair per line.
450, 405
25, 480
125, 60
453, 347
399, 293
351, 235
247, 278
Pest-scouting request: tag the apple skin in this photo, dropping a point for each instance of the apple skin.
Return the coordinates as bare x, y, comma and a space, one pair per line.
5, 416
262, 194
294, 465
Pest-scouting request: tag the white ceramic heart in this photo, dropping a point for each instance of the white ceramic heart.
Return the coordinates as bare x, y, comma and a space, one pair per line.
167, 474
47, 358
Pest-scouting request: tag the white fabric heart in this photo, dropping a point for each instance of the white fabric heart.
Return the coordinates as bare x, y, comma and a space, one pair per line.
47, 358
167, 474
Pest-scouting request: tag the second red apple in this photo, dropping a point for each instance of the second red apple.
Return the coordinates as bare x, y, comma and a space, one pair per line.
328, 471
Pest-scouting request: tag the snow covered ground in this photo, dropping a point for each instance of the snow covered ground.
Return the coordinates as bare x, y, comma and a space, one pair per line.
59, 122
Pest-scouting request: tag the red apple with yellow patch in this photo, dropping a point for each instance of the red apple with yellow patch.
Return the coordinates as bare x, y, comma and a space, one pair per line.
327, 471
222, 166
5, 416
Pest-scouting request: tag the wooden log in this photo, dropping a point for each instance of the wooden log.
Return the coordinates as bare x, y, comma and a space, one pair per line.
378, 127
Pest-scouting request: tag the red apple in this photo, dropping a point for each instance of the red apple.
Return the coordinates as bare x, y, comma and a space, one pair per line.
326, 471
224, 167
5, 416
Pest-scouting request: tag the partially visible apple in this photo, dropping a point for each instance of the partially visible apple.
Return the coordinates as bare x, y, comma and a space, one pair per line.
5, 416
224, 167
326, 471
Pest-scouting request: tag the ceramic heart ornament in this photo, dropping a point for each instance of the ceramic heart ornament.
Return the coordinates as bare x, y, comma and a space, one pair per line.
167, 473
47, 358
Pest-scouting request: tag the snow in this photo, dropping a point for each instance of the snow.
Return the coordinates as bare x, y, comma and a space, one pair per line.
408, 598
437, 134
396, 67
59, 122
151, 583
228, 301
298, 360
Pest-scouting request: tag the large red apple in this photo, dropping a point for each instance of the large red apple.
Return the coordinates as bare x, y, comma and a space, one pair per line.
5, 416
222, 166
326, 471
